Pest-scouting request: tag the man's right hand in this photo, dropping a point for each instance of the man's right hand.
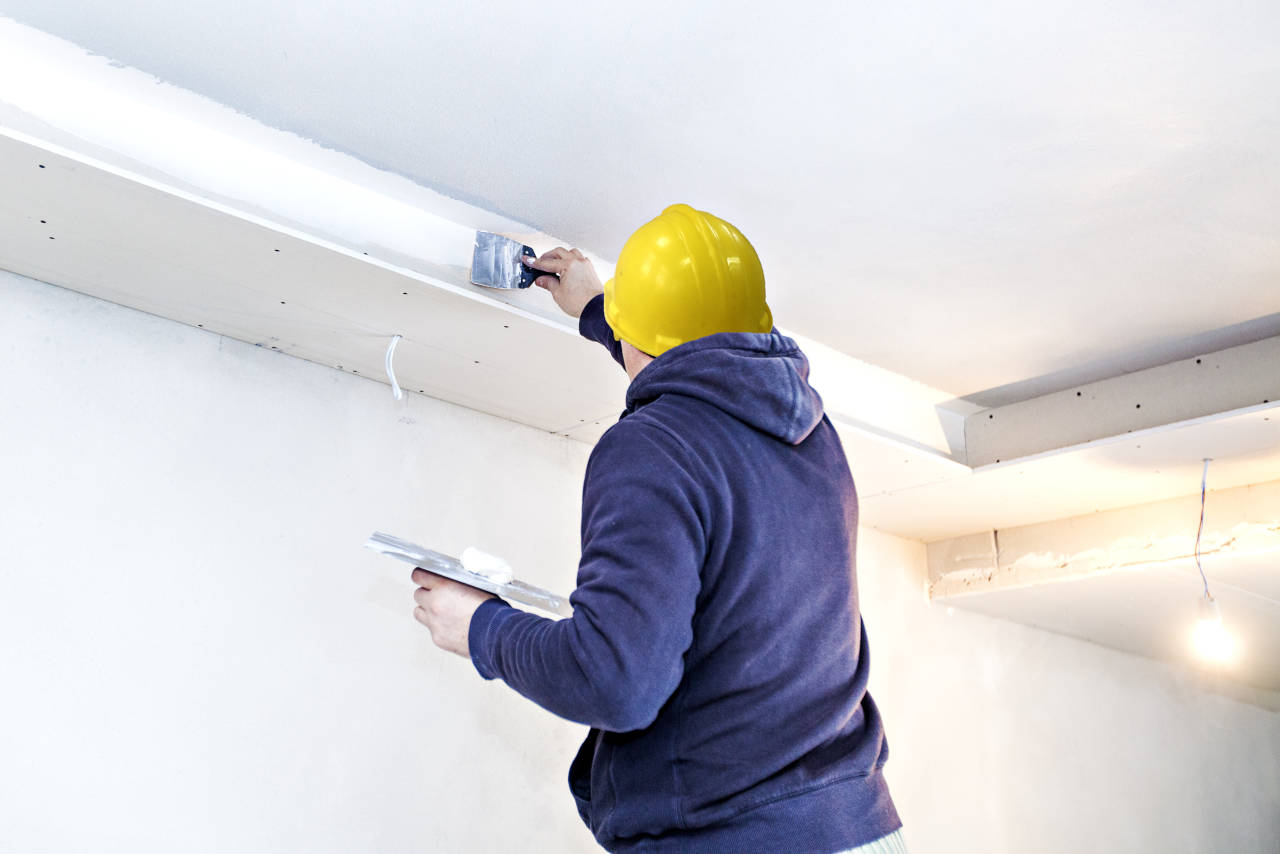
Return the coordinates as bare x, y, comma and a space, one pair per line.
577, 283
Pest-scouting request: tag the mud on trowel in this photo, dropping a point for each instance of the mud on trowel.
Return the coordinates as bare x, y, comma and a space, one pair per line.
496, 262
475, 569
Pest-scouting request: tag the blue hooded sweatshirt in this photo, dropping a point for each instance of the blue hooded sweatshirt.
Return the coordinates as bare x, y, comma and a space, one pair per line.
716, 649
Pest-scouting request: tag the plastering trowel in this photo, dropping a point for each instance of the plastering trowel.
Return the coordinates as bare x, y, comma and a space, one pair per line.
476, 569
496, 262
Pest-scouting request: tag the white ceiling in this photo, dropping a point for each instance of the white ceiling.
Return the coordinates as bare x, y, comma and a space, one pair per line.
1026, 194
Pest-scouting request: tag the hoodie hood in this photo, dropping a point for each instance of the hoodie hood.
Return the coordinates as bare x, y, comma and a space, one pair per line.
760, 379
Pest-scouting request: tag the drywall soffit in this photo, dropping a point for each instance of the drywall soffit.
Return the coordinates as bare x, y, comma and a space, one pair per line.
189, 259
1208, 386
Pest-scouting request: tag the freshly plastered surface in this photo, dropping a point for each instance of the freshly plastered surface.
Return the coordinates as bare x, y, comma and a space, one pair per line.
971, 196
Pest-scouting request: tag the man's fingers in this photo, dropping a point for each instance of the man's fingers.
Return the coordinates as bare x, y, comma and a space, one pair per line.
555, 268
554, 261
547, 282
422, 596
422, 578
420, 614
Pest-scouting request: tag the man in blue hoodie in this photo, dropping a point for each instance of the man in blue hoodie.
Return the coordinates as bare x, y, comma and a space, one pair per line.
716, 648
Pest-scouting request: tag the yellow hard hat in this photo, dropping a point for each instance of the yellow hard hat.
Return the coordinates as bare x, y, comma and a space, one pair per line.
681, 276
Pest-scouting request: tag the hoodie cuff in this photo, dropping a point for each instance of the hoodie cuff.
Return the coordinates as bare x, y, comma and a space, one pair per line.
482, 635
591, 322
593, 326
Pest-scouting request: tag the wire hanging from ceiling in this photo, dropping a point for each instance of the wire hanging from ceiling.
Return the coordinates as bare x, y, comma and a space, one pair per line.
1204, 480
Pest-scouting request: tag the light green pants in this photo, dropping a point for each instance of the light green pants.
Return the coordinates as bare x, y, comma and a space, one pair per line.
891, 844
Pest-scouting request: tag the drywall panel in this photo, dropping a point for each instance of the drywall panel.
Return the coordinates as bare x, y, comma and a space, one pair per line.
1208, 385
74, 225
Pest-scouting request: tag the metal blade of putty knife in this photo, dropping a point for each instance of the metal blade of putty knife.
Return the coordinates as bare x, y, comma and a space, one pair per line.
496, 262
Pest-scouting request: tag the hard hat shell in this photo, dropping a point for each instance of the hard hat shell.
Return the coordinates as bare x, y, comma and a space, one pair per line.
681, 276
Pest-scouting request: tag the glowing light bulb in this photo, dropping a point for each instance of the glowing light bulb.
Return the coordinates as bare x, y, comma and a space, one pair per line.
1211, 640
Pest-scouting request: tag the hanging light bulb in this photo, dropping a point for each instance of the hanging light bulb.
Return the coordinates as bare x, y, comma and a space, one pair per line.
1210, 639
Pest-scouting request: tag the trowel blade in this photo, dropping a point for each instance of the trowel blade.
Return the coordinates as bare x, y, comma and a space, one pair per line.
496, 262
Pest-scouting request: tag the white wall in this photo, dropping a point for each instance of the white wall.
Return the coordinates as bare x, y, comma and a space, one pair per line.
1005, 738
197, 655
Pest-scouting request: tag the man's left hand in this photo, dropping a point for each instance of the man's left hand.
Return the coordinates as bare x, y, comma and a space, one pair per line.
445, 607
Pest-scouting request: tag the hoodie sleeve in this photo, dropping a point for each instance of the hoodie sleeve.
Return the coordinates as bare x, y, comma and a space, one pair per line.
617, 660
593, 326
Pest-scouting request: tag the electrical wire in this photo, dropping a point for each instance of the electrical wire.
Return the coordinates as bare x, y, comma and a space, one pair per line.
1204, 480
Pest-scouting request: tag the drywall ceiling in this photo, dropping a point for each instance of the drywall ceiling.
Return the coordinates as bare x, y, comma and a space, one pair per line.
999, 200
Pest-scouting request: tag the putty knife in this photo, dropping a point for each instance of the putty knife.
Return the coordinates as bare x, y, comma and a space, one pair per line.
496, 263
451, 567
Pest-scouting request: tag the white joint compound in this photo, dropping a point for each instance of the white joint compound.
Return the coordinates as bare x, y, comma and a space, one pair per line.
490, 566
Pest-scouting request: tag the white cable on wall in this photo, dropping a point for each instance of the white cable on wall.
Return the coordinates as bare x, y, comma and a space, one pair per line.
391, 369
